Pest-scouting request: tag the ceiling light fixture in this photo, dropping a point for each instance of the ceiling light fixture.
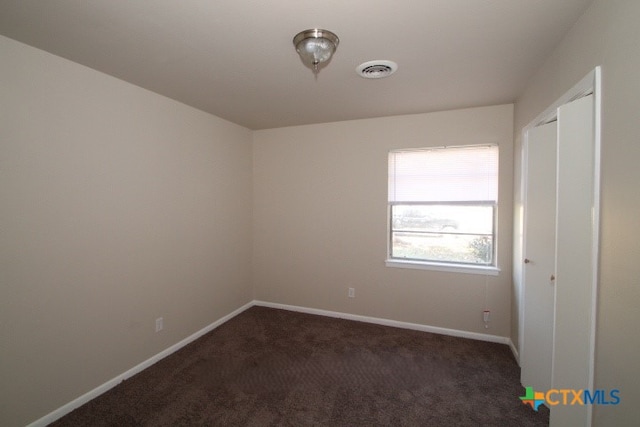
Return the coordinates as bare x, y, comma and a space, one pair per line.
315, 47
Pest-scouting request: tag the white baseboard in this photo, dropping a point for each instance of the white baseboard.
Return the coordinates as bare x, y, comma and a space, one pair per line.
388, 322
64, 410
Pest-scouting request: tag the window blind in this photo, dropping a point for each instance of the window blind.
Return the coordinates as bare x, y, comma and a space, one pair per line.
447, 174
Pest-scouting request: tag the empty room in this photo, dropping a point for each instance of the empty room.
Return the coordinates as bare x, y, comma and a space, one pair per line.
359, 213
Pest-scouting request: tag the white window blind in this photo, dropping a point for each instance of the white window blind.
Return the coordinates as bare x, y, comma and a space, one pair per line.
448, 174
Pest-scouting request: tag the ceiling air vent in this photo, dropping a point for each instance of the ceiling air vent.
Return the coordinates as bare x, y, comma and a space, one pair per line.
376, 69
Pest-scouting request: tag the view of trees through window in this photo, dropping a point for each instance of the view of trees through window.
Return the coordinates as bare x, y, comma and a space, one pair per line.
438, 232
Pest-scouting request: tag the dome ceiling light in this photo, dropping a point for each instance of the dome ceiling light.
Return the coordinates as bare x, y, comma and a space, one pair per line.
316, 47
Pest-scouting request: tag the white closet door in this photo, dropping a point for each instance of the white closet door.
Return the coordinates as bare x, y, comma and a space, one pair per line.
575, 258
539, 256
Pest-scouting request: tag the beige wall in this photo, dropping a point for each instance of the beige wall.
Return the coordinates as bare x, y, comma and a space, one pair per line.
607, 35
320, 212
117, 206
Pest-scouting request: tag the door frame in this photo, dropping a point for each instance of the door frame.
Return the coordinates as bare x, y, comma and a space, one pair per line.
590, 84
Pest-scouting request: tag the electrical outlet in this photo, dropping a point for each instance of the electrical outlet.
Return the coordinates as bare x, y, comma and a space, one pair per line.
352, 293
159, 324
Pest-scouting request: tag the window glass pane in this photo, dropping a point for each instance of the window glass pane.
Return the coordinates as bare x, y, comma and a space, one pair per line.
466, 219
458, 248
443, 233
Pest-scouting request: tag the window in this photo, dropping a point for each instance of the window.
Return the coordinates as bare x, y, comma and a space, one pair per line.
443, 205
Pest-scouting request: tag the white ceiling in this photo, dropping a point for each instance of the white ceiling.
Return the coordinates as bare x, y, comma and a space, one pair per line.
235, 58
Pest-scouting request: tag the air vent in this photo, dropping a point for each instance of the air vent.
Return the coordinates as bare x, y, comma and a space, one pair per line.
376, 69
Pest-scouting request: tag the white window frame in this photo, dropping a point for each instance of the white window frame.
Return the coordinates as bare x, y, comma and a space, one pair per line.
448, 266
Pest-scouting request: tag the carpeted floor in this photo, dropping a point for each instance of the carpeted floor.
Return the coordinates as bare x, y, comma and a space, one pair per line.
269, 367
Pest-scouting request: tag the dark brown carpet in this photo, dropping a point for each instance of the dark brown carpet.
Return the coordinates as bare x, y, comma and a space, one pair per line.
269, 367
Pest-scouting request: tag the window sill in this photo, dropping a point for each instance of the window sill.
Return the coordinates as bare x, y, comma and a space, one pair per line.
452, 268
